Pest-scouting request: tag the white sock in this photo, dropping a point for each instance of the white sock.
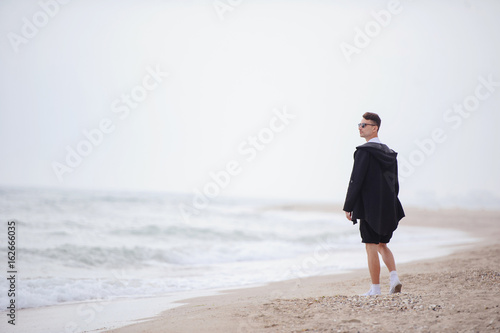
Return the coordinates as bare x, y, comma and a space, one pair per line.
374, 290
394, 277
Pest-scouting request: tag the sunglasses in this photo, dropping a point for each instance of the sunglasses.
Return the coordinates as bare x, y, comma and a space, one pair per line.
362, 125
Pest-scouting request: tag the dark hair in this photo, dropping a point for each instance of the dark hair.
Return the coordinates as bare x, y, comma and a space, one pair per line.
374, 117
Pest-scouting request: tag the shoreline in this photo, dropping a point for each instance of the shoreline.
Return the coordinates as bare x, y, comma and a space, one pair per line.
273, 307
244, 308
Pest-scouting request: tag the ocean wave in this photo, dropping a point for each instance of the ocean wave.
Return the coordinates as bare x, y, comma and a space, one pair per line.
36, 292
208, 247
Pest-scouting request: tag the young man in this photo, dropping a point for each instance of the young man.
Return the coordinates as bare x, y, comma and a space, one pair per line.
372, 197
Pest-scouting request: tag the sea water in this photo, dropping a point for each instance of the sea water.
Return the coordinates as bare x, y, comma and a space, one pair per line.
77, 246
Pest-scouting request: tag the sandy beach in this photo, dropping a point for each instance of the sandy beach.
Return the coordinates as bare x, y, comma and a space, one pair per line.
456, 293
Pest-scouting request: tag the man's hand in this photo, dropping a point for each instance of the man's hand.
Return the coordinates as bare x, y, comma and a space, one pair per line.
348, 215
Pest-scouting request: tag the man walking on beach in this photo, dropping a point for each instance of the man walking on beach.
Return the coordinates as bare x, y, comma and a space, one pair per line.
372, 197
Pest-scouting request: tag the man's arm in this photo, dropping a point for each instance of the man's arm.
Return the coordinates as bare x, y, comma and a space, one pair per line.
359, 169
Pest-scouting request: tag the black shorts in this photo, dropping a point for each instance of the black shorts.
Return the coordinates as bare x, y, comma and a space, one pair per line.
368, 235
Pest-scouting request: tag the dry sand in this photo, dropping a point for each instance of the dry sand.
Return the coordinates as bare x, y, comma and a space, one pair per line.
457, 293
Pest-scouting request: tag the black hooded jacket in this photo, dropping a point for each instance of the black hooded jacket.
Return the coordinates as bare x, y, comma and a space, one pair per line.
373, 190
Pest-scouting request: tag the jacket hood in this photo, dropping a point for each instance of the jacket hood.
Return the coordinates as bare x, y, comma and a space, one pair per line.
385, 155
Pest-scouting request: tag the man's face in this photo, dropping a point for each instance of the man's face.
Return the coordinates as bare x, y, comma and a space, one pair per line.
370, 129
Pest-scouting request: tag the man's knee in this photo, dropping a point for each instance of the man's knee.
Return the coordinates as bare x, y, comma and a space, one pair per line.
382, 247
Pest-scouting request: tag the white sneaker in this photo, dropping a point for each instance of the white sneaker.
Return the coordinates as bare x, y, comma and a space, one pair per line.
373, 291
395, 287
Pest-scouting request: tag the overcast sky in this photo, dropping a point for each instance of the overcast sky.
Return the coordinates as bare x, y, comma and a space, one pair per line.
160, 95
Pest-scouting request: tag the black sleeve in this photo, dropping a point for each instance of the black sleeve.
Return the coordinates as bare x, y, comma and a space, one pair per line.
397, 182
359, 169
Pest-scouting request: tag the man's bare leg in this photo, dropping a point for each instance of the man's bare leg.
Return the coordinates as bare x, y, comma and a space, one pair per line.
374, 268
389, 261
373, 262
387, 257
